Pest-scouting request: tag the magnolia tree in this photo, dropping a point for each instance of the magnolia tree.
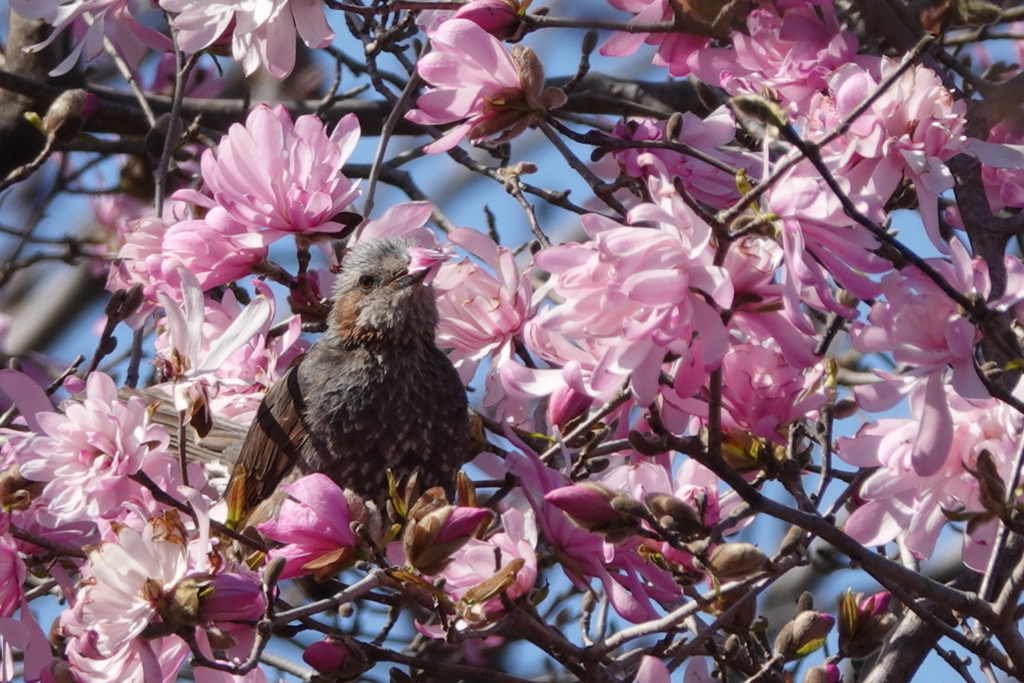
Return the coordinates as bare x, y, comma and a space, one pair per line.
771, 334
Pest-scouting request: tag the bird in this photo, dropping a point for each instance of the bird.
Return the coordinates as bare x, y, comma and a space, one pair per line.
373, 394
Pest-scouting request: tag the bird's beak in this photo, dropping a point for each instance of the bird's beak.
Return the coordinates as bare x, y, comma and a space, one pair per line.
407, 279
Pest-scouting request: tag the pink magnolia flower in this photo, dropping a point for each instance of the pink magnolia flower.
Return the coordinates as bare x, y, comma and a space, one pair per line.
315, 526
682, 478
791, 48
821, 244
261, 31
674, 48
909, 131
897, 499
481, 85
474, 563
630, 581
638, 293
127, 578
482, 313
221, 353
922, 327
763, 394
1004, 186
217, 249
87, 454
705, 182
280, 176
652, 670
191, 358
102, 19
759, 314
406, 220
25, 634
142, 587
926, 331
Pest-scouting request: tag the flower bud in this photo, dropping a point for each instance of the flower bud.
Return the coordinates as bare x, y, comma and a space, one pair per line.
68, 113
864, 623
596, 507
736, 560
500, 18
333, 659
675, 515
803, 635
234, 597
565, 405
823, 673
436, 529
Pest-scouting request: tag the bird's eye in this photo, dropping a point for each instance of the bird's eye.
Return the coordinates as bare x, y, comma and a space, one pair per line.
366, 282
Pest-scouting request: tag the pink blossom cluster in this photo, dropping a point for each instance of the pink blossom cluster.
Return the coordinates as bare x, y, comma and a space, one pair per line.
700, 344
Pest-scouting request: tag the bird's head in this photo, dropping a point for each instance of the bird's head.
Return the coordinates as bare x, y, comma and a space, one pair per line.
378, 300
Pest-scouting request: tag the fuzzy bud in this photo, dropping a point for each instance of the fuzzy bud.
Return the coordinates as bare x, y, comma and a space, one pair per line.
736, 560
68, 113
803, 635
436, 529
675, 515
823, 673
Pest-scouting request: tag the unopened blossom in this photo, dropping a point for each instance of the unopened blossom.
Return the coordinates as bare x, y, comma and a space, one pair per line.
864, 623
315, 526
261, 32
436, 529
280, 176
803, 635
897, 500
597, 508
87, 454
490, 93
640, 293
823, 673
500, 18
674, 47
102, 19
331, 657
482, 310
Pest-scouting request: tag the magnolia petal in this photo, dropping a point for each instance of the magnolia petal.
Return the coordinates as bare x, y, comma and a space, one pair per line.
936, 431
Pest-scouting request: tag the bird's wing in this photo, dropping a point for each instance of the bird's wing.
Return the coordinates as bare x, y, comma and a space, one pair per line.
273, 445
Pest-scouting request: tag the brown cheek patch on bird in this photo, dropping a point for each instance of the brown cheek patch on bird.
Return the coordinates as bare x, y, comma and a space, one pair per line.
346, 321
